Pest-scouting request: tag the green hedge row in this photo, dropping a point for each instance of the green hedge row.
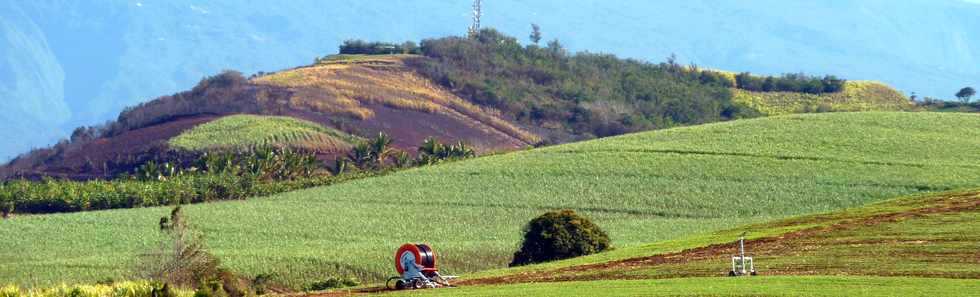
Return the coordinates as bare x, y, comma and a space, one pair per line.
53, 196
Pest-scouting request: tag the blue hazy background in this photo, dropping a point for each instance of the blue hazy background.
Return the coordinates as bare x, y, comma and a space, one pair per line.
70, 63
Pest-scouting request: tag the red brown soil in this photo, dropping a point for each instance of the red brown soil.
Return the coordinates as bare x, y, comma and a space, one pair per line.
75, 162
409, 128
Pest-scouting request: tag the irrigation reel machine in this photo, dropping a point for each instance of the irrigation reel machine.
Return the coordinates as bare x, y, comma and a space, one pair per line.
416, 266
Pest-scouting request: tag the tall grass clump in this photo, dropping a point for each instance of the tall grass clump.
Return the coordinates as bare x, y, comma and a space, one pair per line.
120, 289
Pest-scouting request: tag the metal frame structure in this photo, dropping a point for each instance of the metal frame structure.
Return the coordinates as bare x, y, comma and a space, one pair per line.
477, 13
738, 262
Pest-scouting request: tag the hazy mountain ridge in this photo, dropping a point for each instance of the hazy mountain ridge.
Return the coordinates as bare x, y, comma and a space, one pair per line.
113, 54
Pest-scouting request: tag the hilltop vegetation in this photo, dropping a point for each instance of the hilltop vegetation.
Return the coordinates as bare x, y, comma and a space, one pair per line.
640, 188
582, 94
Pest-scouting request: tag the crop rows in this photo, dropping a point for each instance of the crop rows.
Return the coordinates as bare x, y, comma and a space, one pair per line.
250, 131
640, 188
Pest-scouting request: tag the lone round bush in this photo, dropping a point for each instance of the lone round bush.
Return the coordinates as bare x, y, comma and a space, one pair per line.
559, 235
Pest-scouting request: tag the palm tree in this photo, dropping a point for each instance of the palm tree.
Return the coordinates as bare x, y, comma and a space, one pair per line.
381, 149
431, 151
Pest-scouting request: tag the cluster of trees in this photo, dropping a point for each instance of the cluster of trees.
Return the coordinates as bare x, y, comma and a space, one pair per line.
791, 82
263, 164
378, 154
360, 47
964, 97
214, 176
578, 95
54, 196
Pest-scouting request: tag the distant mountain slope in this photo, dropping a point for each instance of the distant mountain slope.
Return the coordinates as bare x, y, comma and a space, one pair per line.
105, 55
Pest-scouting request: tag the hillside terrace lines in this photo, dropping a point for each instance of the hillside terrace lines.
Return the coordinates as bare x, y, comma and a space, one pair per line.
764, 156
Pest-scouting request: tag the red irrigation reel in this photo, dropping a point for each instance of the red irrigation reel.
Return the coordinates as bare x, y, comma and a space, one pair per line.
416, 265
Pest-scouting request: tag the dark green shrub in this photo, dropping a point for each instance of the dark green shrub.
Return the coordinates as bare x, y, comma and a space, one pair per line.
559, 235
260, 283
162, 290
333, 283
360, 47
432, 151
7, 203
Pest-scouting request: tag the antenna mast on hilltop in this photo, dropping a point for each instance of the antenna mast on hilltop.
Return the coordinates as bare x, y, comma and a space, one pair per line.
477, 12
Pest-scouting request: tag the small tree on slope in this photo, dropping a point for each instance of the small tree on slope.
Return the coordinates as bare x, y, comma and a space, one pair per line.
965, 94
559, 235
182, 259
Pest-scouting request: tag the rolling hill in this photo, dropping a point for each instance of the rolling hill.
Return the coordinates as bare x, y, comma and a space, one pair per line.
360, 96
489, 91
641, 188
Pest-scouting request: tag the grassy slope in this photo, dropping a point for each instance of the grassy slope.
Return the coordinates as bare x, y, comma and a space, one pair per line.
642, 188
857, 96
930, 241
248, 131
936, 235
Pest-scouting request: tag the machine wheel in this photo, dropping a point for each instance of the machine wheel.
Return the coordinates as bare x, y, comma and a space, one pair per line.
388, 284
731, 273
418, 284
753, 273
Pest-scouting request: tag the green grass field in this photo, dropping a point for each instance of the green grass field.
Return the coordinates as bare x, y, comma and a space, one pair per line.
931, 235
816, 286
641, 188
251, 131
911, 246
